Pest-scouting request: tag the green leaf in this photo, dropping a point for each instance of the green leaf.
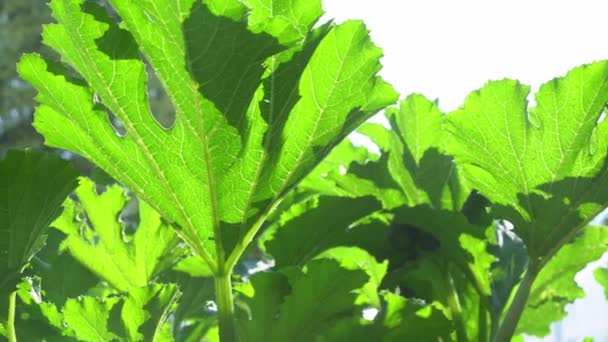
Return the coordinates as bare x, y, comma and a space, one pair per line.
535, 160
459, 241
326, 178
98, 240
141, 314
65, 278
193, 308
555, 287
194, 266
456, 272
353, 258
299, 316
413, 168
406, 320
40, 319
235, 147
88, 318
601, 275
417, 160
33, 186
146, 310
287, 20
269, 291
507, 271
322, 223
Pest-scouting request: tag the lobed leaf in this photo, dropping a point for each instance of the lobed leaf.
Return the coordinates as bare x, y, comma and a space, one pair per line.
322, 224
541, 160
299, 317
97, 238
88, 318
237, 144
555, 286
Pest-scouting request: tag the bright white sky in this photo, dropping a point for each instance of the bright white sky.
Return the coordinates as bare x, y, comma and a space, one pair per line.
445, 49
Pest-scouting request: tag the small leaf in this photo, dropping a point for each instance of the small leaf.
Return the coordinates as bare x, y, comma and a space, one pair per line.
324, 282
406, 320
146, 310
555, 287
285, 305
97, 238
287, 20
269, 291
601, 275
353, 258
88, 318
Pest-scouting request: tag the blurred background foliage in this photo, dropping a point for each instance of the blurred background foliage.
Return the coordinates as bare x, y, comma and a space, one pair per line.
20, 31
20, 27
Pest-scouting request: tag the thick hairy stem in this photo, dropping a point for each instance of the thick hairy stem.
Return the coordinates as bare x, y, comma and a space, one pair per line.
10, 321
225, 307
507, 328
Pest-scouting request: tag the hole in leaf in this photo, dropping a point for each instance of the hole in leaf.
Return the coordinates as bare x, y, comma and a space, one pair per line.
129, 217
602, 117
119, 127
159, 101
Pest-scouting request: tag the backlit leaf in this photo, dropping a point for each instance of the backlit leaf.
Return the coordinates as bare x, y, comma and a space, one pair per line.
236, 146
555, 286
97, 238
538, 161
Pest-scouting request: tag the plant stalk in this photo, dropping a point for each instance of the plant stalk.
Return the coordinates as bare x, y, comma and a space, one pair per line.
456, 309
225, 307
10, 321
507, 328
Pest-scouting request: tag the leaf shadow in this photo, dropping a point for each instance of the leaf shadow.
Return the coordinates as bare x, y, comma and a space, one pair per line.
228, 74
556, 211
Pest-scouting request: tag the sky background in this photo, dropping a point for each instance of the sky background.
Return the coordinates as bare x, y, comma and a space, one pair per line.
445, 49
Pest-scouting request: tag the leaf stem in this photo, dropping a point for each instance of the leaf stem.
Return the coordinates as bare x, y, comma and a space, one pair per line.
225, 307
10, 321
244, 241
456, 309
517, 306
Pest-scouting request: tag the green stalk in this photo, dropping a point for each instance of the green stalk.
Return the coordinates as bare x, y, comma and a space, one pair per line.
456, 310
10, 321
507, 328
225, 307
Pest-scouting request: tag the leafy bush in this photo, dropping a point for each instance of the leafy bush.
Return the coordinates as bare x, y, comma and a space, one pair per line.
246, 218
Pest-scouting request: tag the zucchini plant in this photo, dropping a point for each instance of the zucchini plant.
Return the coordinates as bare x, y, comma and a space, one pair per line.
260, 96
242, 215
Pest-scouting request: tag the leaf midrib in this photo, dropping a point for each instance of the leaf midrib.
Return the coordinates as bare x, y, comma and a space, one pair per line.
84, 54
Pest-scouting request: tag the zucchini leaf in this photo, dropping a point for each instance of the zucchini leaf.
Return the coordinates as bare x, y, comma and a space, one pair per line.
98, 239
543, 167
33, 186
259, 98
